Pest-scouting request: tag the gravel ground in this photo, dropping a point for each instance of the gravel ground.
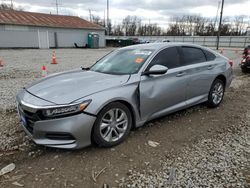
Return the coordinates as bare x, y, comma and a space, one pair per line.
223, 161
197, 147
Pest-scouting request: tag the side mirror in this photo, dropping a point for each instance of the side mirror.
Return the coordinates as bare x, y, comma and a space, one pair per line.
156, 70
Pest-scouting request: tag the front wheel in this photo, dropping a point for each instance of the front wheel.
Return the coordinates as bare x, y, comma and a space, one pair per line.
112, 125
216, 93
243, 70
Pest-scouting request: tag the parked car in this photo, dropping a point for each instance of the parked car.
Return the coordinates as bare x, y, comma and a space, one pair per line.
245, 62
124, 89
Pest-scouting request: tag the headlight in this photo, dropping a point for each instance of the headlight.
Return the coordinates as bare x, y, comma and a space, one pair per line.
66, 110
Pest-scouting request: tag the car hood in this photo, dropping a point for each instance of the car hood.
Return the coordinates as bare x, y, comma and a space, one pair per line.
67, 87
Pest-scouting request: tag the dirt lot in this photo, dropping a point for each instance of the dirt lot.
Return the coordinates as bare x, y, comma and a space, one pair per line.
198, 147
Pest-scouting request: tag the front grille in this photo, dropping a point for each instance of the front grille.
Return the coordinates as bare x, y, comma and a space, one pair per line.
30, 118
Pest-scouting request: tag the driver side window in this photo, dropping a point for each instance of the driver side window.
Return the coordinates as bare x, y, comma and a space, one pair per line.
168, 57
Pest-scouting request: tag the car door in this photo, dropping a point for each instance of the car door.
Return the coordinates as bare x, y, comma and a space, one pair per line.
162, 94
199, 71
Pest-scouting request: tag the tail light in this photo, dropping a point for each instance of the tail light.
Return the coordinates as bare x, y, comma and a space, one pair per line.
231, 63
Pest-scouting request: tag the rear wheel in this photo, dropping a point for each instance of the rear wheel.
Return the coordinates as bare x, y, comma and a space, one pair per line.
112, 125
216, 93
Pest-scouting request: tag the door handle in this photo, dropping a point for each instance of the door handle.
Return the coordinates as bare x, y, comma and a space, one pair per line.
180, 74
210, 67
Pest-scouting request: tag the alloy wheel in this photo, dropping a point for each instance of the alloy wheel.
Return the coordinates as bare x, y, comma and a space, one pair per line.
217, 93
114, 124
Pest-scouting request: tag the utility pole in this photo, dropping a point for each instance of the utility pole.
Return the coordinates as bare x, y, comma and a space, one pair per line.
104, 18
216, 18
11, 3
56, 7
219, 29
108, 17
90, 16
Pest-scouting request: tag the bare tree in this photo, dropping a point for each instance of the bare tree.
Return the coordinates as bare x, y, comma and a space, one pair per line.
209, 28
109, 27
117, 30
97, 20
4, 6
226, 27
130, 25
198, 25
238, 24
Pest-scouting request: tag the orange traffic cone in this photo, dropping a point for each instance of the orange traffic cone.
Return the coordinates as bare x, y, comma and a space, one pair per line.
1, 63
44, 71
54, 58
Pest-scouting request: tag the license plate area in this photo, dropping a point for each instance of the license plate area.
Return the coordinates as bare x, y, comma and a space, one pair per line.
23, 120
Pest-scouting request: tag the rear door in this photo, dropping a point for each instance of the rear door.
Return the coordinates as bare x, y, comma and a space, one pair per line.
200, 73
162, 94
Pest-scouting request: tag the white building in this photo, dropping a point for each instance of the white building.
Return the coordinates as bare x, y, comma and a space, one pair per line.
19, 29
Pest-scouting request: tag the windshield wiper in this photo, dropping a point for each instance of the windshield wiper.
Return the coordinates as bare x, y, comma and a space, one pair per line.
85, 68
114, 73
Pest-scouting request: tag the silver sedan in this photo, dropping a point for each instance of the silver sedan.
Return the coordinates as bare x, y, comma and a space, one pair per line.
124, 89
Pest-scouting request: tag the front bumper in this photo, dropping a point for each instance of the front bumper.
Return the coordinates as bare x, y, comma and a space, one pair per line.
71, 132
245, 65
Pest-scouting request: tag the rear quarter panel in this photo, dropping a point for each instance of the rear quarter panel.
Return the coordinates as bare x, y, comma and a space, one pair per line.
223, 67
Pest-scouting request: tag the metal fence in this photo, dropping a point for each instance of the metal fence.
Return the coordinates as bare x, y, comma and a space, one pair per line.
210, 41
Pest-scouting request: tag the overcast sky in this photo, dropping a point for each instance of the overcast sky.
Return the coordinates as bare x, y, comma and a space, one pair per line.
154, 11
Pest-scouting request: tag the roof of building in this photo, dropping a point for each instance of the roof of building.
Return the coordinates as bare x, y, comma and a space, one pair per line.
12, 17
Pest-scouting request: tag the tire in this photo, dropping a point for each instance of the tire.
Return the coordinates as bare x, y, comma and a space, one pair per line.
112, 125
244, 70
216, 93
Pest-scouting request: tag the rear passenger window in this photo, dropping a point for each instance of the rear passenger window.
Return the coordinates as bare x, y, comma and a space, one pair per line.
209, 55
168, 57
193, 55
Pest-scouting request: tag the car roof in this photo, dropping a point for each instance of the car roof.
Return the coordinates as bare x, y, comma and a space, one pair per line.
160, 45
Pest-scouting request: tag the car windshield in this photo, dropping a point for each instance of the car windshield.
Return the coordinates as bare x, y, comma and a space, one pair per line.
123, 61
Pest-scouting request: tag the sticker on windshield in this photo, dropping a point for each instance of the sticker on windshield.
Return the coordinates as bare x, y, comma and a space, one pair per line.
143, 52
139, 60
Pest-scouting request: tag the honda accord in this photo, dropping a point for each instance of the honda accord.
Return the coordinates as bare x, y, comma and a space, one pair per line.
122, 90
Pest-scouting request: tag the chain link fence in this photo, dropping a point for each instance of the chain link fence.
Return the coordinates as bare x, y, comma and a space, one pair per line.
209, 41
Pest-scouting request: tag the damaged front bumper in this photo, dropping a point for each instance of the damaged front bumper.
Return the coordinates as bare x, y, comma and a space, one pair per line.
70, 132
